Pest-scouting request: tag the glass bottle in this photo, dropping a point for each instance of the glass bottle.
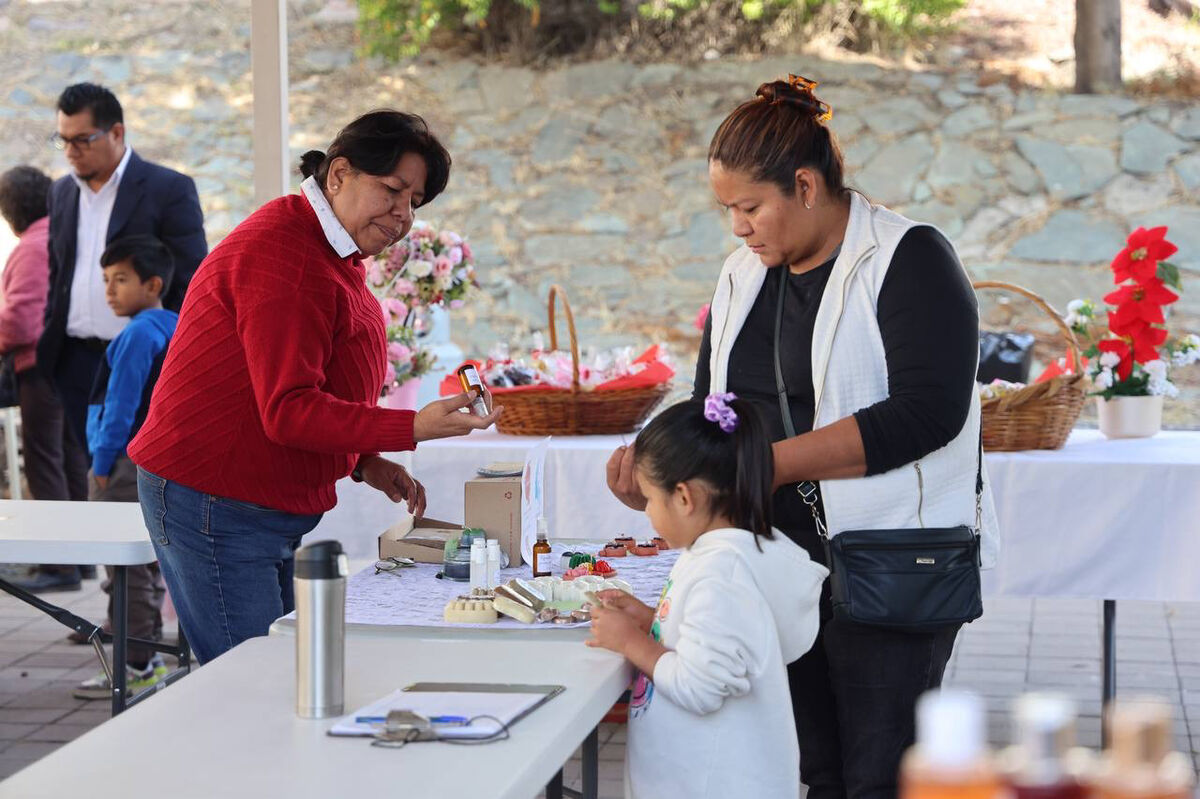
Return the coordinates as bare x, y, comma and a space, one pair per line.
1043, 763
1139, 763
541, 551
950, 759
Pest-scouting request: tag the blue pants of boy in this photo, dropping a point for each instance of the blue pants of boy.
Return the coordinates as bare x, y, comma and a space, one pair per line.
227, 563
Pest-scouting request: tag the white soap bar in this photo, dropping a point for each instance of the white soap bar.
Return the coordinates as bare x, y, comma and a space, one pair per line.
470, 611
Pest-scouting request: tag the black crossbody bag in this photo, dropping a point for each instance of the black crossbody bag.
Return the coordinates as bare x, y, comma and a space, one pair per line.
908, 580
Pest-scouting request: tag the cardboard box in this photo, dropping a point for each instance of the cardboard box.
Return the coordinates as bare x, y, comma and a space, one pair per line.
493, 504
423, 540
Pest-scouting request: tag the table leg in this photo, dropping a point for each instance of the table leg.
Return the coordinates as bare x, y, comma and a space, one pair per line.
1109, 689
120, 596
591, 764
554, 788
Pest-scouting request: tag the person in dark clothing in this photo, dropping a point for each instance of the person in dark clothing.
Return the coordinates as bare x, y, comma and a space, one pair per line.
871, 351
111, 192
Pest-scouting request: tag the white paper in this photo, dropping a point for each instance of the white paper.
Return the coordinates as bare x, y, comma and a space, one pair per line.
533, 500
431, 704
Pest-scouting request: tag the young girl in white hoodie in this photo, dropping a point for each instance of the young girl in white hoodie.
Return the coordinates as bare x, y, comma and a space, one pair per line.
710, 713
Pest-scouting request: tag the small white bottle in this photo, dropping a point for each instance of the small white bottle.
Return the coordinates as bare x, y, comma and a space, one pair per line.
493, 564
479, 573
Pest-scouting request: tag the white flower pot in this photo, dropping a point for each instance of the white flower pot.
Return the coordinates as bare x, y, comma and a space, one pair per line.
1130, 417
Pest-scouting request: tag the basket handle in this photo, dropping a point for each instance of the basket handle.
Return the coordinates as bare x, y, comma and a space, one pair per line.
559, 292
1068, 334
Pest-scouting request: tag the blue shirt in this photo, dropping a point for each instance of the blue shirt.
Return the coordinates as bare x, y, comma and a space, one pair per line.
121, 394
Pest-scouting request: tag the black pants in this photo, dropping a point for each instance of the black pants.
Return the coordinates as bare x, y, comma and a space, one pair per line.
74, 374
56, 464
853, 696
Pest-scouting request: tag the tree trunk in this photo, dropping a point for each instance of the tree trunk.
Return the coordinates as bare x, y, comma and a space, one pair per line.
1097, 45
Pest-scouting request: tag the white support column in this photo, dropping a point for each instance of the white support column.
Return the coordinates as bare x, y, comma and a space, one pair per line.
269, 65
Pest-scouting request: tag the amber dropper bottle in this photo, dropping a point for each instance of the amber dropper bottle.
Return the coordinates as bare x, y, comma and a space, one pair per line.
950, 759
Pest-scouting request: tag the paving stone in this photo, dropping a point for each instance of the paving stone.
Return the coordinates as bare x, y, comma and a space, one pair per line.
1187, 124
892, 173
59, 733
1071, 237
1146, 148
1069, 172
968, 120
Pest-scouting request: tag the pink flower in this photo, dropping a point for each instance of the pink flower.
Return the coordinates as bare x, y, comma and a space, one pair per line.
394, 310
403, 287
456, 304
450, 239
374, 271
398, 352
456, 255
466, 251
396, 258
389, 375
442, 266
701, 317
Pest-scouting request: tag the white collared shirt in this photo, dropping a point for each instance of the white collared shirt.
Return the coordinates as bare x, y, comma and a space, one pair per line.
88, 314
341, 241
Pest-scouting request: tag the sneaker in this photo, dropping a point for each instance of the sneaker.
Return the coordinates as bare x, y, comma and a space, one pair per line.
51, 581
135, 681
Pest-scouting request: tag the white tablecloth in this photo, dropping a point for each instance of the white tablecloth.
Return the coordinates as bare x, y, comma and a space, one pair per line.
1097, 519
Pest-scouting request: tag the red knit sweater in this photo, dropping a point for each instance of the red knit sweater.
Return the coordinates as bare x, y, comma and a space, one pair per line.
269, 388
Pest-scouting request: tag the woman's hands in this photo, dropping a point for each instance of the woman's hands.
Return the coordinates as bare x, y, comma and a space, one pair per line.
445, 418
395, 481
621, 480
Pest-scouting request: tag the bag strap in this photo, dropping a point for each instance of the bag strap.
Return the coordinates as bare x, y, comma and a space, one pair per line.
808, 489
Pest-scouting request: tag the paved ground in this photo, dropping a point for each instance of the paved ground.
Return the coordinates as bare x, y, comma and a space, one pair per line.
1018, 646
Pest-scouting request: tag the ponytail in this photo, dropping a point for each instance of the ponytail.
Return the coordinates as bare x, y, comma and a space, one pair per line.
721, 441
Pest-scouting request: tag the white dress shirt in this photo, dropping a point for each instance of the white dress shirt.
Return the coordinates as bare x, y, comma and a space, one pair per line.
341, 241
88, 315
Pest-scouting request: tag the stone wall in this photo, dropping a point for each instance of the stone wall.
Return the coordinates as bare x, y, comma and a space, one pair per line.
593, 175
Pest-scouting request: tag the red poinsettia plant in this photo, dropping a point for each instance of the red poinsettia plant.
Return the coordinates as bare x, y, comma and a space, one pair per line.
1126, 357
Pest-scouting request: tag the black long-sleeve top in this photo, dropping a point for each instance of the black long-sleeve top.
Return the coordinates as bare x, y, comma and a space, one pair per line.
929, 321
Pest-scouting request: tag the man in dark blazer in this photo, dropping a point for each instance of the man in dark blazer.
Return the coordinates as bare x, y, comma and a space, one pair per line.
110, 193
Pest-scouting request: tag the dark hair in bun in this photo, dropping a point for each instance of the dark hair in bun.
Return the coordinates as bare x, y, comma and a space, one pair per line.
781, 130
375, 142
310, 162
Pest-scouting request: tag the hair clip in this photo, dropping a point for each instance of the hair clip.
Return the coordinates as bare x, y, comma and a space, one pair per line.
806, 87
716, 409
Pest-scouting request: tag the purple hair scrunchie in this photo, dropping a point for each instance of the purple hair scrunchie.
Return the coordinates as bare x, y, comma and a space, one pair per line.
716, 409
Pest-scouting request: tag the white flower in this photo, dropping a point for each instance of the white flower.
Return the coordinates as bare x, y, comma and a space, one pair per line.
1109, 359
1164, 387
419, 269
443, 282
1156, 369
1074, 305
1104, 379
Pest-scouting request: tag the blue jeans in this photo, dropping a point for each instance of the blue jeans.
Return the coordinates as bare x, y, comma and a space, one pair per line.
228, 564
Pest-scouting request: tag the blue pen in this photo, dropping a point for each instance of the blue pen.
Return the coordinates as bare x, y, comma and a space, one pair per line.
459, 720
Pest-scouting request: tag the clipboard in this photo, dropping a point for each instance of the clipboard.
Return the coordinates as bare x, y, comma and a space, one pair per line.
548, 691
525, 699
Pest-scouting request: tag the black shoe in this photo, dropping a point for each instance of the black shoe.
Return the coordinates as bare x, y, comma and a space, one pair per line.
87, 572
51, 581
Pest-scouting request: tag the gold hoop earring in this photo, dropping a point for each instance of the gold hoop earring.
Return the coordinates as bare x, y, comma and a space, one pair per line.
808, 205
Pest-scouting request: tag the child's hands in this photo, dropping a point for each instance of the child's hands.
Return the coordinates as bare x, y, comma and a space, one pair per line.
614, 630
640, 612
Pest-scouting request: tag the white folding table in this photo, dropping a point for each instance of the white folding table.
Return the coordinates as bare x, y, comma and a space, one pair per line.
240, 735
82, 533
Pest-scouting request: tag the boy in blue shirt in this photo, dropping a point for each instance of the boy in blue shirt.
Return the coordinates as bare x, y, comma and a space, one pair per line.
137, 273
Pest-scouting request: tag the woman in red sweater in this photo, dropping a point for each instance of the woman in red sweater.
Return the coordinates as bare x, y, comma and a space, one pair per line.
269, 391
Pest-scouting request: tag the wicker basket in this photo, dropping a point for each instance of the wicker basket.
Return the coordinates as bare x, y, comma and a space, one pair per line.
1039, 416
575, 410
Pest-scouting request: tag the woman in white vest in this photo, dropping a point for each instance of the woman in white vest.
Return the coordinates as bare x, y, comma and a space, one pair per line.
877, 351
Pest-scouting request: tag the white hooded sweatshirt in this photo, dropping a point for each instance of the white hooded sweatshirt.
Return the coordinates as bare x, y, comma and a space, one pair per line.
716, 719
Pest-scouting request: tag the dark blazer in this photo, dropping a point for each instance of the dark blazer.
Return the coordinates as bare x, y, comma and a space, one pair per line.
151, 199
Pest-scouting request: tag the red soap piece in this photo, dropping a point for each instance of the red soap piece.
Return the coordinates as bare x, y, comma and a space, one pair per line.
645, 548
660, 542
625, 541
613, 550
603, 569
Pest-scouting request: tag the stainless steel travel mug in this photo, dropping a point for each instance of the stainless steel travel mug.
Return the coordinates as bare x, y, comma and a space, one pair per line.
320, 586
